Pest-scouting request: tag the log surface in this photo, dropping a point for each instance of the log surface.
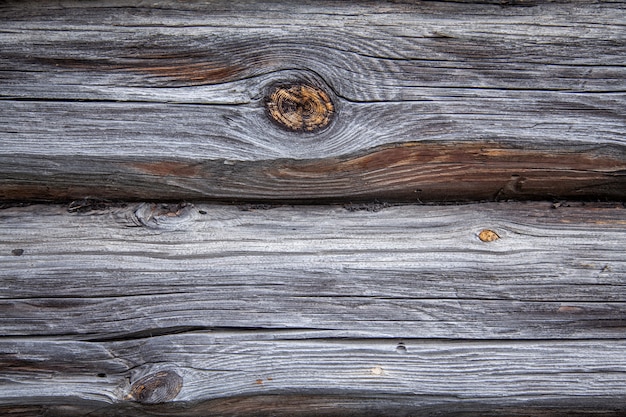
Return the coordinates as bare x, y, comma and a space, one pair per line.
426, 101
342, 310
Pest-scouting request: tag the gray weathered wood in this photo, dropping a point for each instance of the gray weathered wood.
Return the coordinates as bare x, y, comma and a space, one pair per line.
261, 372
140, 309
301, 309
151, 95
315, 268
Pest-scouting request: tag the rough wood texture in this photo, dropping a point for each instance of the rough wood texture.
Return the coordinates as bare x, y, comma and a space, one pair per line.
432, 101
418, 172
340, 310
170, 309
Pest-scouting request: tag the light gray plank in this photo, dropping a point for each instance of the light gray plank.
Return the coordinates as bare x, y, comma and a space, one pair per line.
403, 271
367, 52
161, 131
252, 368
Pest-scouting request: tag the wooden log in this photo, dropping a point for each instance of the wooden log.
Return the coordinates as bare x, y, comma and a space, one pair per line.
249, 377
360, 309
440, 101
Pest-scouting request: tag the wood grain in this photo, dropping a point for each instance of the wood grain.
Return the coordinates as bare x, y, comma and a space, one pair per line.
130, 300
241, 374
415, 172
184, 85
553, 273
263, 309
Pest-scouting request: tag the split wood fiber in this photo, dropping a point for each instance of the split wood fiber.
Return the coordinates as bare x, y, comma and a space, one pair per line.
337, 310
333, 101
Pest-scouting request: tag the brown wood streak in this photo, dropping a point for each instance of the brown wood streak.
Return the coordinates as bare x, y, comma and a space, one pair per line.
426, 171
418, 171
357, 406
193, 73
189, 70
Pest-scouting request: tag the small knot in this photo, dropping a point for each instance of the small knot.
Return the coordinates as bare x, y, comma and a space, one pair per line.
156, 388
163, 216
487, 235
299, 107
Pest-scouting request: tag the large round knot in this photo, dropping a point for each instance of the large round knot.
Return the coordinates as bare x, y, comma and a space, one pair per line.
300, 107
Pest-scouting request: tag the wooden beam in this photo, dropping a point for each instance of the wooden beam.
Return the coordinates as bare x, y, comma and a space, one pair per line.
226, 310
436, 101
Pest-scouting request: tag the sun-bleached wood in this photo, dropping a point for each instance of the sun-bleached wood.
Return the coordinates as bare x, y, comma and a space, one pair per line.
257, 373
314, 305
316, 268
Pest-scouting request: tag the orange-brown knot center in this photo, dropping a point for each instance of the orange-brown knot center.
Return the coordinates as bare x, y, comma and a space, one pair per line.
487, 235
299, 107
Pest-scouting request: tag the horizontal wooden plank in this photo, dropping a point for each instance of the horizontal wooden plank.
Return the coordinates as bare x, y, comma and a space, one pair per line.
169, 101
366, 51
414, 172
103, 272
268, 374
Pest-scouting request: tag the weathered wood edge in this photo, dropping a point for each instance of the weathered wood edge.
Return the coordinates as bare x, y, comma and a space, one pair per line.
286, 405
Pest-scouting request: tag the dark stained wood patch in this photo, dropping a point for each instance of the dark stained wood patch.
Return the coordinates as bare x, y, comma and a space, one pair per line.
178, 68
408, 172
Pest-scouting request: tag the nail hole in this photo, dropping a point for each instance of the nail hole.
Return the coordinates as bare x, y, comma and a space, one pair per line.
102, 375
202, 212
401, 348
17, 252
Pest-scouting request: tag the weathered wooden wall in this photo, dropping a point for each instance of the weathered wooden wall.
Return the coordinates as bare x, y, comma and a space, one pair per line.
378, 305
